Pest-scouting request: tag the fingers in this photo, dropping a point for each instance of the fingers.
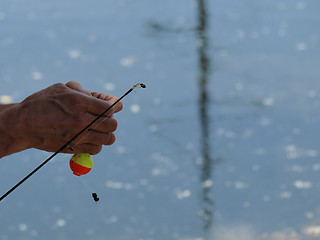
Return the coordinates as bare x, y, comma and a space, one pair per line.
84, 148
104, 100
97, 106
92, 143
77, 86
109, 98
98, 138
105, 125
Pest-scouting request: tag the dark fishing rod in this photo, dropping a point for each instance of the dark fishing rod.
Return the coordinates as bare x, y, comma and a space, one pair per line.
70, 141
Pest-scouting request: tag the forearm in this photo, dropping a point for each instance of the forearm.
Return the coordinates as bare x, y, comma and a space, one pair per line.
11, 140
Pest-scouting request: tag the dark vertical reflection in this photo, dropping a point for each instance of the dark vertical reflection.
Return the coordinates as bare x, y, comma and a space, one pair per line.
204, 62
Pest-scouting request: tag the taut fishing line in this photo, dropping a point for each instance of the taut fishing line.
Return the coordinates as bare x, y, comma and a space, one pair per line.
67, 144
96, 126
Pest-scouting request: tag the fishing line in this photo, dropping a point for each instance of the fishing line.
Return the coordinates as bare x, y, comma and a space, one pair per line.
138, 85
90, 131
93, 194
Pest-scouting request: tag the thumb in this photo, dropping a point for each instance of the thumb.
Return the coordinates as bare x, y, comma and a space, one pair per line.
77, 86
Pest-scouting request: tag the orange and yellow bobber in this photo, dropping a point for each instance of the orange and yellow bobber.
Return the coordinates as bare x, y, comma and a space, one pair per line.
81, 163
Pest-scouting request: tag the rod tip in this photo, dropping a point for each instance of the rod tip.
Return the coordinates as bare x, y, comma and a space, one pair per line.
139, 85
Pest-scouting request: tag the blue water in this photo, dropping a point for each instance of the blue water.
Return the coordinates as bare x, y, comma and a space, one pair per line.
222, 144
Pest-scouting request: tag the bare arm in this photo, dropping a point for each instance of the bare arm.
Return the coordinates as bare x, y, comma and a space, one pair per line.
47, 119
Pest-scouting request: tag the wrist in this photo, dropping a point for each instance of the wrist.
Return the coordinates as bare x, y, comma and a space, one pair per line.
12, 138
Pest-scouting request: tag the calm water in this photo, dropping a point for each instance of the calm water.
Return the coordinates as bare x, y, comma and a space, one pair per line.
222, 144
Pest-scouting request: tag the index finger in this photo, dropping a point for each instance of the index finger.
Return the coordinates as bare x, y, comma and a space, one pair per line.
97, 106
109, 98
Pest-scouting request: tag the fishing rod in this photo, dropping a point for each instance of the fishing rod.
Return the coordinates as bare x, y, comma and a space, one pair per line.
138, 85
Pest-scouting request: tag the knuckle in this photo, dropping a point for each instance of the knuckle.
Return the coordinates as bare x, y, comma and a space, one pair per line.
113, 125
111, 139
59, 85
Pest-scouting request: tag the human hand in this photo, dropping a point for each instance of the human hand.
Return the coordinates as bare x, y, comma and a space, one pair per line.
47, 119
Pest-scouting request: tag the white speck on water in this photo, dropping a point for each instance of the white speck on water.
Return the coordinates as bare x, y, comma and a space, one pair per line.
239, 86
128, 186
316, 167
109, 86
282, 6
2, 16
189, 146
240, 185
112, 219
247, 133
153, 128
246, 204
311, 153
181, 194
135, 108
297, 168
220, 132
282, 31
114, 185
285, 195
259, 151
255, 167
36, 75
199, 161
254, 35
207, 183
301, 46
313, 230
119, 185
312, 93
61, 222
128, 61
291, 148
156, 172
268, 101
163, 165
240, 34
300, 5
302, 184
33, 233
296, 131
74, 53
265, 122
223, 53
309, 215
266, 198
294, 152
143, 182
92, 39
156, 101
23, 227
5, 99
121, 149
230, 134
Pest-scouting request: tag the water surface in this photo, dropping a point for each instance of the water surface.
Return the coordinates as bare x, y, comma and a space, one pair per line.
222, 144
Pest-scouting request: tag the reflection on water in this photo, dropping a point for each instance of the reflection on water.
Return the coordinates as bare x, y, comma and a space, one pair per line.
204, 104
266, 95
